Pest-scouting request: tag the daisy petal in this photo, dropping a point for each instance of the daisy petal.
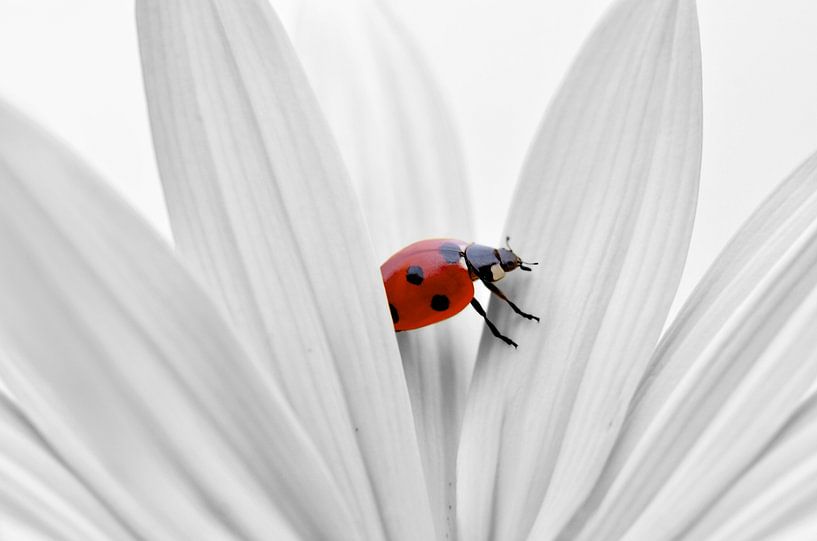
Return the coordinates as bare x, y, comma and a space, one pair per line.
723, 414
777, 492
697, 375
38, 491
752, 254
132, 375
605, 204
395, 134
393, 127
261, 206
438, 364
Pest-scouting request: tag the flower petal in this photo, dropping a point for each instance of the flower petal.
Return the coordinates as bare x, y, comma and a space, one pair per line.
261, 206
40, 492
438, 364
392, 125
697, 374
777, 491
132, 375
394, 132
605, 204
752, 254
768, 362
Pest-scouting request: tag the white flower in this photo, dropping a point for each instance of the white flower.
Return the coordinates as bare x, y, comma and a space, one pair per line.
261, 395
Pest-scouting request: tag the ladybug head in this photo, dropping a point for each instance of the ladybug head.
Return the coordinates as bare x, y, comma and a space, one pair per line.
509, 260
490, 264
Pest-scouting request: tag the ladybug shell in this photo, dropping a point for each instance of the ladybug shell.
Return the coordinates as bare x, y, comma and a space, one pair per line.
427, 282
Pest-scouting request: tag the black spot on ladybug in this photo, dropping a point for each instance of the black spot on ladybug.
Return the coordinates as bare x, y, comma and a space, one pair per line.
450, 252
440, 303
395, 317
414, 275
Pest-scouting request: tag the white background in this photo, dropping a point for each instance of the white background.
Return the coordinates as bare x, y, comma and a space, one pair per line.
74, 66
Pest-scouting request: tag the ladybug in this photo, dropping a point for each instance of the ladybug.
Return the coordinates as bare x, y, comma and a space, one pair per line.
432, 280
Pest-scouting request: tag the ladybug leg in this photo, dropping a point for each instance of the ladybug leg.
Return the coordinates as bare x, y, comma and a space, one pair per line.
478, 307
496, 291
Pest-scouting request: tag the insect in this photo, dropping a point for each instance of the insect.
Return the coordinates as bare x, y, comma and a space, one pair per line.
432, 280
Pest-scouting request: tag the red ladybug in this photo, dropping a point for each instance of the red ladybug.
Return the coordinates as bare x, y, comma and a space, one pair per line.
431, 280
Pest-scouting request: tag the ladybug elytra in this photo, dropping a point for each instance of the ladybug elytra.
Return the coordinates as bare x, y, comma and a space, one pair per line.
432, 280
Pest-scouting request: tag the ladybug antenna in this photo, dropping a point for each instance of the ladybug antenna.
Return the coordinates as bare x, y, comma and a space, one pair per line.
521, 263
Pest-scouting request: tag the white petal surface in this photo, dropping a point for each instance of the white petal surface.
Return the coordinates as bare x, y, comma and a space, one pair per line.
605, 203
697, 372
391, 123
39, 491
776, 492
130, 372
767, 377
395, 134
260, 204
438, 362
754, 251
